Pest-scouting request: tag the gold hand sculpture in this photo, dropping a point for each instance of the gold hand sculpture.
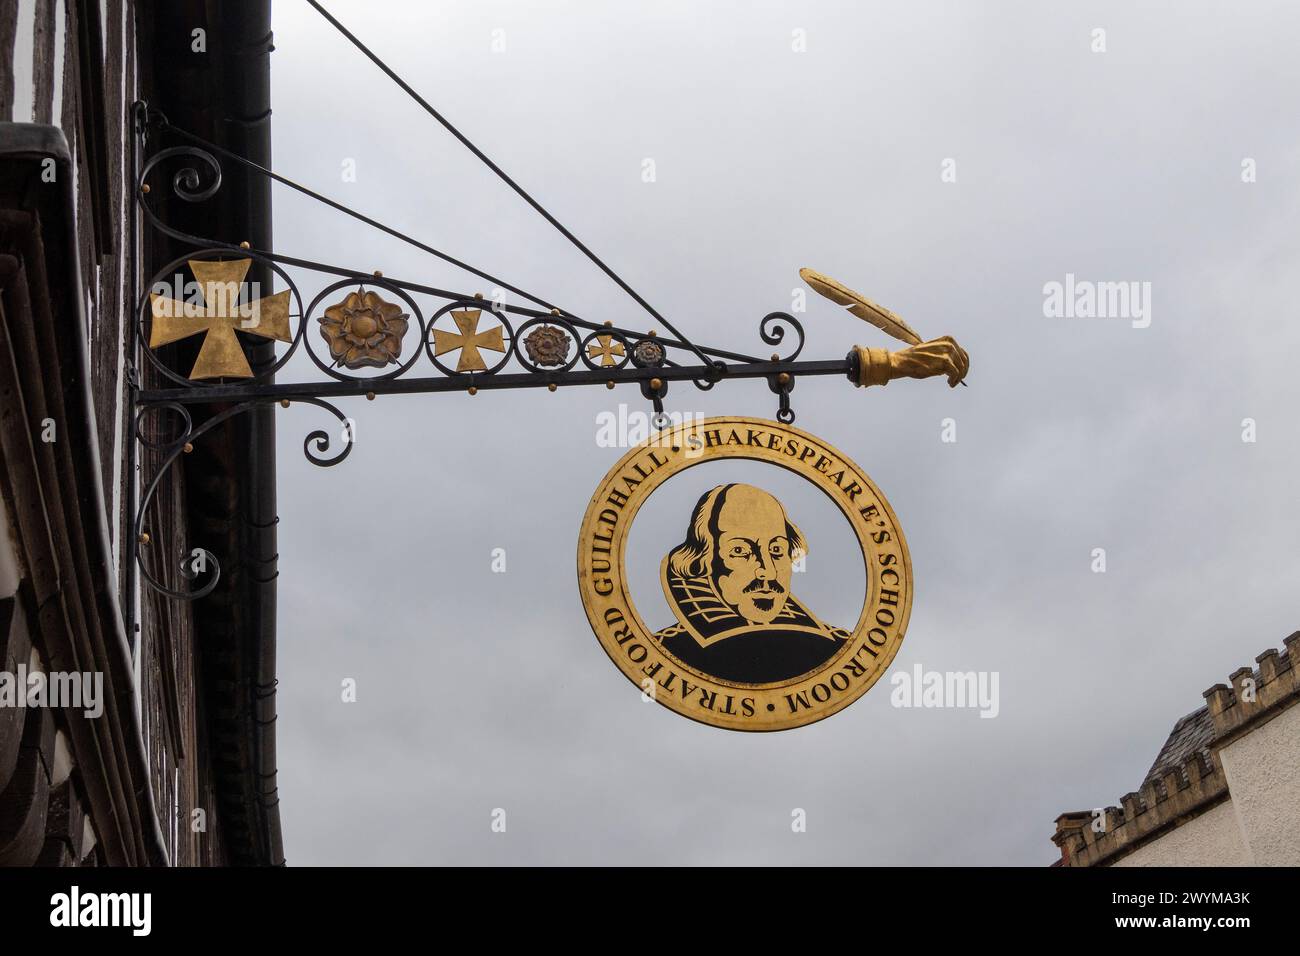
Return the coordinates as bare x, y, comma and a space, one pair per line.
941, 356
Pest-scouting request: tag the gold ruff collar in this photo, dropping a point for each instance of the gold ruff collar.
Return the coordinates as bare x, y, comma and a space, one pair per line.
709, 619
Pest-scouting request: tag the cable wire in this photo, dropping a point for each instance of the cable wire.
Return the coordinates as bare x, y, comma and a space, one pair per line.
501, 174
271, 174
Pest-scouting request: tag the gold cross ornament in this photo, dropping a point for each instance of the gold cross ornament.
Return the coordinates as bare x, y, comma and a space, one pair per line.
218, 317
469, 341
605, 349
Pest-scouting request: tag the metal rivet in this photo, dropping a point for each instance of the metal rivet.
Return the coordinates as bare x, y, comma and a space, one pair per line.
188, 448
775, 357
656, 384
609, 323
478, 295
555, 311
473, 390
144, 537
609, 384
652, 333
378, 274
783, 378
245, 245
144, 188
551, 387
284, 403
370, 396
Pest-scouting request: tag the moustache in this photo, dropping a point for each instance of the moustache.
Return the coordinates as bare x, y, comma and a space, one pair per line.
763, 586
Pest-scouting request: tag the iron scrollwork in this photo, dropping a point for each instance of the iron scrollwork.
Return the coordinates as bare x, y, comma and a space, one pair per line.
200, 562
365, 333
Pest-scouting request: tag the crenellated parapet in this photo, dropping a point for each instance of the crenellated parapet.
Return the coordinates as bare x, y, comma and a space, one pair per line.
1251, 697
1251, 694
1089, 839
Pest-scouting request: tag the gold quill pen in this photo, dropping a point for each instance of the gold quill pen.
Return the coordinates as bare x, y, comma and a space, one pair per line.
859, 305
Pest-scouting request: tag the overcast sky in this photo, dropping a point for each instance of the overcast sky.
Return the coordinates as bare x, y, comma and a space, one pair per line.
479, 690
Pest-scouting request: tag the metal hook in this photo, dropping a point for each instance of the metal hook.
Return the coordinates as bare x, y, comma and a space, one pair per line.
785, 414
655, 390
782, 385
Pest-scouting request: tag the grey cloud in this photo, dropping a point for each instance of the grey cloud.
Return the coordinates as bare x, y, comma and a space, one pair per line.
481, 690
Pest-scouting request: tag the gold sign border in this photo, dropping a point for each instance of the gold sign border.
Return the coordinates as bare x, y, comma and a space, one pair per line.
747, 707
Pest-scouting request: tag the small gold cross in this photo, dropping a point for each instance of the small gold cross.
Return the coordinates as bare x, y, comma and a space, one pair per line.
469, 341
605, 349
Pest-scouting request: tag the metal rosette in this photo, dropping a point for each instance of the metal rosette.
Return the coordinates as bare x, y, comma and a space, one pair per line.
649, 352
362, 286
546, 345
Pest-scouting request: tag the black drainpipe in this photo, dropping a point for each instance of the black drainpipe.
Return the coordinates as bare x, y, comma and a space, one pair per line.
223, 95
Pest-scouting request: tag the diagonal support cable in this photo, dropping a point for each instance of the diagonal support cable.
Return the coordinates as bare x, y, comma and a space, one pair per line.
503, 176
361, 217
411, 286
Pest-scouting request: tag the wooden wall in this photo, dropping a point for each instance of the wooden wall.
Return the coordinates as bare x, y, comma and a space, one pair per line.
52, 71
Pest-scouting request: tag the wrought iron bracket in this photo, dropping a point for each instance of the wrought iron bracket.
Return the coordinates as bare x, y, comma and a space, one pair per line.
376, 340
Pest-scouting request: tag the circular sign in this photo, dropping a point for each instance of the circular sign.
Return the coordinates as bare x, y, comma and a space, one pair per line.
744, 652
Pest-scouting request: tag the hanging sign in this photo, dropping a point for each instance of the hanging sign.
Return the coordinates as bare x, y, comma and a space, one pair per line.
743, 650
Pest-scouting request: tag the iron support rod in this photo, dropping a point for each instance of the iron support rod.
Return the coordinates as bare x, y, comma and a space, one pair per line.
459, 383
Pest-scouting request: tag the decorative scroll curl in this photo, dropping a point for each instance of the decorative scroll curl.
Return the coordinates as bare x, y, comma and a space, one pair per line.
187, 184
773, 332
320, 438
200, 562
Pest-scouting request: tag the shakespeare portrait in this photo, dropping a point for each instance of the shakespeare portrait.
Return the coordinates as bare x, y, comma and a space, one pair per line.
729, 586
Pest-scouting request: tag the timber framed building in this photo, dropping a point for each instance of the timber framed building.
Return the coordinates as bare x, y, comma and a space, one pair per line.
179, 766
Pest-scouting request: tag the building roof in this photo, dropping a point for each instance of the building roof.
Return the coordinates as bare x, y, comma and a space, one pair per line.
1187, 777
1190, 736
